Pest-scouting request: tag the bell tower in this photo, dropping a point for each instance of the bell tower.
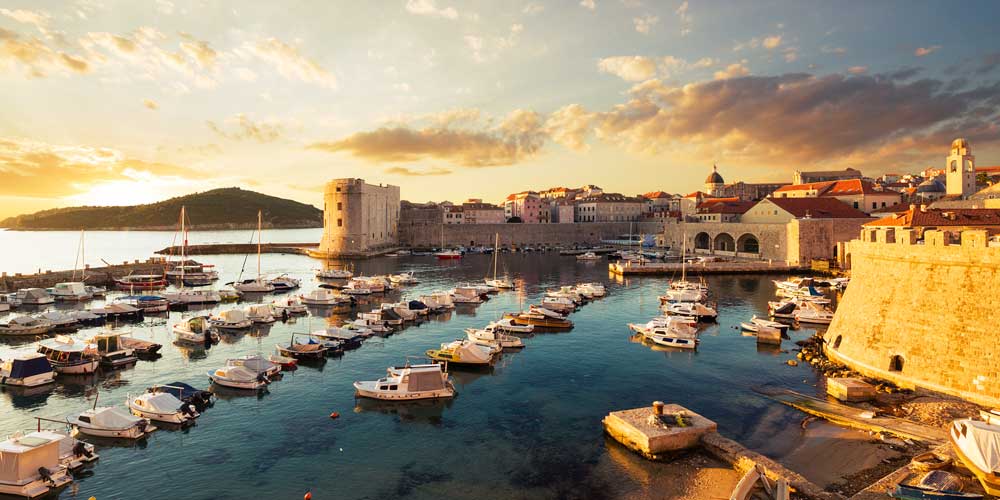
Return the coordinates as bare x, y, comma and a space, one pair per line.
960, 169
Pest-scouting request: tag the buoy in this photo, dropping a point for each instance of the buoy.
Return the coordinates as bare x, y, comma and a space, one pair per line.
308, 495
335, 415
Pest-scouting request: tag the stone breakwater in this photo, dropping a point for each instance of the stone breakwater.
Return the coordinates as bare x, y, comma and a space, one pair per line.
240, 248
922, 314
99, 276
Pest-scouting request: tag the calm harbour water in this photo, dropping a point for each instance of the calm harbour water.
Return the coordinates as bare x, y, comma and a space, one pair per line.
530, 428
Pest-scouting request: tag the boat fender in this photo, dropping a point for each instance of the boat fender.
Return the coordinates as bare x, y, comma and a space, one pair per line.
335, 415
307, 496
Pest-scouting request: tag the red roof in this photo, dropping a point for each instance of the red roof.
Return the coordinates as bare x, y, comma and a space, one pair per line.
817, 208
836, 188
988, 170
934, 217
726, 207
657, 194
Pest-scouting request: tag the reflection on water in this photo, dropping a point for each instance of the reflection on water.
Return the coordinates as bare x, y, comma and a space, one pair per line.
526, 427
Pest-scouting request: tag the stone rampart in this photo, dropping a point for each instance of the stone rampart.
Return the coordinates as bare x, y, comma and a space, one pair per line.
922, 313
417, 235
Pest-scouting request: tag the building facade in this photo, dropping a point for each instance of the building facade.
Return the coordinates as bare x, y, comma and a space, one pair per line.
609, 207
358, 218
859, 194
800, 177
527, 207
477, 212
960, 167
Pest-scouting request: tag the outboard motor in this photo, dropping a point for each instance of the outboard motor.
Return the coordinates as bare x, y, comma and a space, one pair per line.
188, 409
80, 450
46, 475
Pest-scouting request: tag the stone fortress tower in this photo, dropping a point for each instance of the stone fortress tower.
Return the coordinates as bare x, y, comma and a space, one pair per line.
960, 170
714, 183
359, 219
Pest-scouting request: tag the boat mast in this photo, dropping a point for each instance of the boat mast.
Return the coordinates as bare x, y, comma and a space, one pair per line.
496, 250
683, 258
83, 257
259, 223
184, 242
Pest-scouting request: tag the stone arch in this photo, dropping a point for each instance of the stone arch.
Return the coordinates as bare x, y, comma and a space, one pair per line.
724, 242
702, 241
748, 243
896, 363
836, 341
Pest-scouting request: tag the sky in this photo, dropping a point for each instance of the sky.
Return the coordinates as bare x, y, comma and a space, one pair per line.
112, 103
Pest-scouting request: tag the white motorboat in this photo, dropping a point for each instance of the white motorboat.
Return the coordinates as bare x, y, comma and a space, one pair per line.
403, 279
161, 407
233, 319
408, 383
112, 350
402, 309
27, 370
568, 292
546, 312
466, 295
289, 305
61, 322
70, 356
591, 290
669, 337
195, 330
285, 283
660, 326
492, 335
508, 325
810, 312
334, 274
560, 305
588, 256
110, 422
31, 465
324, 297
444, 300
190, 297
356, 288
261, 313
238, 377
781, 327
33, 297
71, 291
26, 325
682, 295
257, 364
977, 445
690, 309
148, 303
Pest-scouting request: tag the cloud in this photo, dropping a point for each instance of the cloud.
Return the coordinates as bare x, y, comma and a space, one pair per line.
243, 128
484, 49
684, 17
30, 167
629, 68
532, 9
857, 70
570, 126
150, 104
40, 20
165, 7
791, 54
734, 70
827, 49
36, 59
428, 8
410, 172
645, 23
518, 136
199, 50
771, 42
924, 51
290, 63
588, 4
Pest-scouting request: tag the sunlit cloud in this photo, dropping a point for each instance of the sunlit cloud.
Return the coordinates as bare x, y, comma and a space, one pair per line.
291, 63
926, 51
240, 127
429, 8
645, 23
417, 172
150, 104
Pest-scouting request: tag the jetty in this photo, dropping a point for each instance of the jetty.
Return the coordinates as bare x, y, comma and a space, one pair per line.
100, 276
733, 267
239, 248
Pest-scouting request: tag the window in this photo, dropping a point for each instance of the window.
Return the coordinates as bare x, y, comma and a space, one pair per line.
836, 343
338, 189
855, 204
954, 166
340, 222
875, 205
340, 206
883, 204
896, 363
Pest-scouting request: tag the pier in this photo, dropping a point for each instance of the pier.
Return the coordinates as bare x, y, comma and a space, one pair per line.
737, 267
240, 248
100, 276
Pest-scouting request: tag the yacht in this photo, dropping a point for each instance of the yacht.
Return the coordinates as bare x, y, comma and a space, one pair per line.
682, 295
33, 297
261, 313
27, 370
238, 377
161, 407
195, 330
503, 283
110, 422
492, 334
233, 319
462, 352
112, 350
26, 325
71, 291
408, 383
70, 356
31, 465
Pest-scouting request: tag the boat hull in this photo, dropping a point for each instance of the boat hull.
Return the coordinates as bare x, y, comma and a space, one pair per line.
84, 368
177, 418
39, 487
989, 480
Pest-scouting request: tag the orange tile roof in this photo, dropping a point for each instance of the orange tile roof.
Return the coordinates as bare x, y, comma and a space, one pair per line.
817, 208
937, 217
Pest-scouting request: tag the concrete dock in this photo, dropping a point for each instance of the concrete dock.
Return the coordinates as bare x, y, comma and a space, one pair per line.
737, 267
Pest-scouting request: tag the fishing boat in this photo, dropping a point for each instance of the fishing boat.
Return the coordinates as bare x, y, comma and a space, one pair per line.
290, 306
492, 335
25, 325
261, 313
195, 330
146, 303
334, 274
113, 353
977, 445
161, 407
110, 422
74, 291
200, 399
70, 356
61, 322
809, 312
233, 319
143, 349
538, 320
507, 325
302, 351
462, 352
31, 465
135, 282
27, 370
238, 377
284, 283
408, 383
588, 257
33, 297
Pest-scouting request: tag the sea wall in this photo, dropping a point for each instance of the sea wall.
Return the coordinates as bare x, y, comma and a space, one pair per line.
98, 276
427, 235
922, 313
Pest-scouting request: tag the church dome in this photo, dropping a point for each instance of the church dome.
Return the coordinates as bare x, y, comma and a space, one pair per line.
714, 177
930, 186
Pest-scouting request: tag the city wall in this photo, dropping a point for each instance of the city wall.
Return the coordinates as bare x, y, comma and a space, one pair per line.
430, 235
922, 314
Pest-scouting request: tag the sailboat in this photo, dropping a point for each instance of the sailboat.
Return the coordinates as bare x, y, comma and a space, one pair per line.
684, 291
74, 290
504, 283
259, 285
183, 296
447, 254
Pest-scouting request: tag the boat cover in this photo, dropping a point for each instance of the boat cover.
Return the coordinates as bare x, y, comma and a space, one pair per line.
161, 402
980, 443
237, 373
29, 367
179, 390
20, 458
416, 305
113, 418
142, 298
65, 344
253, 363
425, 380
389, 314
233, 316
23, 321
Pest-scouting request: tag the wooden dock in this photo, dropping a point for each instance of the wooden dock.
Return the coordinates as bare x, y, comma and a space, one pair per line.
670, 268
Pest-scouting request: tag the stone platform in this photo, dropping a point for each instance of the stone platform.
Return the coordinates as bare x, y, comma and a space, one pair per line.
653, 436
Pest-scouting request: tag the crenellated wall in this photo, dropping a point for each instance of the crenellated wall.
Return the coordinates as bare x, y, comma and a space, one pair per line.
922, 313
419, 235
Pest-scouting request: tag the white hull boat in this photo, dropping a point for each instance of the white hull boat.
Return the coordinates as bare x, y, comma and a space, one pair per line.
27, 370
238, 377
110, 422
161, 407
32, 466
408, 383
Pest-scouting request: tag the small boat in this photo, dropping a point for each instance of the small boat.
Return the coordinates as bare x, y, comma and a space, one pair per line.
61, 322
5, 302
73, 454
284, 283
31, 465
258, 285
977, 445
233, 319
348, 338
588, 256
147, 303
333, 347
334, 274
256, 364
302, 351
86, 318
408, 383
261, 313
118, 312
110, 422
783, 310
669, 338
507, 325
492, 335
134, 282
70, 356
682, 295
324, 297
161, 407
448, 255
403, 310
74, 291
912, 492
546, 312
33, 297
354, 288
290, 306
284, 362
229, 295
809, 312
25, 325
403, 279
27, 370
238, 377
561, 305
781, 327
143, 349
186, 394
113, 353
538, 320
195, 330
462, 352
695, 310
591, 290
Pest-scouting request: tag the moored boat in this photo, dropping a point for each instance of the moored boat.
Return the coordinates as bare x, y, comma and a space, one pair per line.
31, 465
195, 330
161, 407
302, 351
27, 370
462, 352
70, 356
134, 282
110, 422
113, 353
977, 445
233, 319
25, 325
408, 383
238, 377
74, 291
538, 320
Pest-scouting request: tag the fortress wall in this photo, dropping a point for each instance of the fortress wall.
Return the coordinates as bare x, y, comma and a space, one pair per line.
419, 235
810, 239
933, 305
